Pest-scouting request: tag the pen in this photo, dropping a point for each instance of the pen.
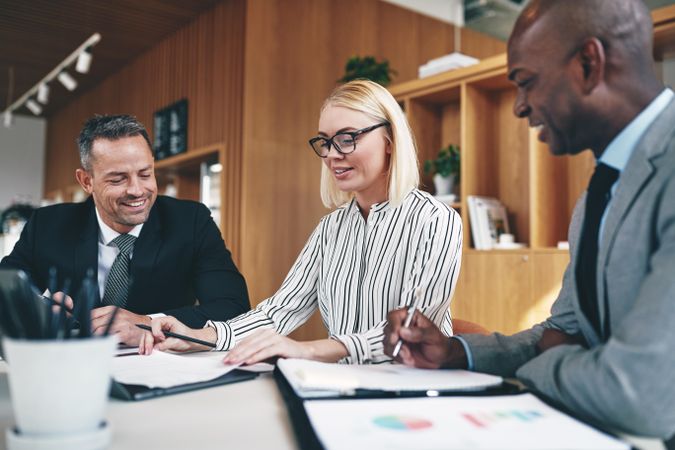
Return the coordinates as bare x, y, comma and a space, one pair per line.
178, 336
408, 319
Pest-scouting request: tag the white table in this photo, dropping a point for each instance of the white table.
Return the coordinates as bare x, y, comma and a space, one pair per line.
246, 415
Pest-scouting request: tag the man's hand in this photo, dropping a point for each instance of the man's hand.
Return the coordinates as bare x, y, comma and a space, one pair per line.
59, 300
124, 325
424, 345
552, 338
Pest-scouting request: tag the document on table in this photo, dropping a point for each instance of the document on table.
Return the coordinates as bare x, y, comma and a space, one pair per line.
166, 370
485, 422
312, 379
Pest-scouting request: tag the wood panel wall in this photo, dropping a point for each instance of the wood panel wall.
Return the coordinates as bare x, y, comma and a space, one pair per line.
294, 55
255, 73
202, 62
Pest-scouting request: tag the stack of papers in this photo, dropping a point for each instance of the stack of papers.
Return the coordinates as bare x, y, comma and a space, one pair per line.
486, 422
165, 370
311, 379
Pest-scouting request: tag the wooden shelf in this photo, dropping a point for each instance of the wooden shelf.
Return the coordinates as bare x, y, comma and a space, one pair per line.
505, 290
191, 156
183, 172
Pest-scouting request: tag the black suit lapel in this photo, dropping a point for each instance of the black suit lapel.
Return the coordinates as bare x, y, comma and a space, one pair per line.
143, 262
86, 247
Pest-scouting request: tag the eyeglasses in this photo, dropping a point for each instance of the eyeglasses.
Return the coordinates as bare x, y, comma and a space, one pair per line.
344, 142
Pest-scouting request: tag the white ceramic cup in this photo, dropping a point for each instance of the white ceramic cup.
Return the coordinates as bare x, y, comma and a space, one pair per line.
506, 238
59, 387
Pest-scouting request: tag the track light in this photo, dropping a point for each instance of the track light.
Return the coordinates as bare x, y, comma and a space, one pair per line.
33, 106
43, 93
84, 61
7, 118
67, 80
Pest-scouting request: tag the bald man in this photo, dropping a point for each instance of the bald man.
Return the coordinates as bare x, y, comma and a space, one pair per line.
585, 79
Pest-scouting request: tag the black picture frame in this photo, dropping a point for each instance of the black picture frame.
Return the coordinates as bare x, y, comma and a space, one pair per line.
170, 130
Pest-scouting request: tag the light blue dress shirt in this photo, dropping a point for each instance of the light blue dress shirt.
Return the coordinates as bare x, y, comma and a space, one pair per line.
616, 155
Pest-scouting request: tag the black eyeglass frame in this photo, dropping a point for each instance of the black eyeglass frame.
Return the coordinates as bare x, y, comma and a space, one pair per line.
353, 134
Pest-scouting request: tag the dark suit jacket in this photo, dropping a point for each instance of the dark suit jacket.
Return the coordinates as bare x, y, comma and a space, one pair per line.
178, 257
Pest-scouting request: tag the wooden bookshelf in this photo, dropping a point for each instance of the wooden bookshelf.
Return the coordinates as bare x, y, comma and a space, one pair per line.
183, 171
505, 290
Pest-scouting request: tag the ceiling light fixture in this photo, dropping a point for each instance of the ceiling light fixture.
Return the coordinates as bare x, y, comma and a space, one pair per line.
7, 119
84, 61
67, 80
43, 93
34, 107
41, 88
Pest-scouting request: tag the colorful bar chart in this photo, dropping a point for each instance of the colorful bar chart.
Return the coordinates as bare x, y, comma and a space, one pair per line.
485, 419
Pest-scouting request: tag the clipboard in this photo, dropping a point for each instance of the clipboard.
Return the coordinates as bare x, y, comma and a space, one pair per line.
308, 439
304, 432
135, 392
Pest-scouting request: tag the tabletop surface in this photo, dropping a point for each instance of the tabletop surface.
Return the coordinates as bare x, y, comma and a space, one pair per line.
250, 415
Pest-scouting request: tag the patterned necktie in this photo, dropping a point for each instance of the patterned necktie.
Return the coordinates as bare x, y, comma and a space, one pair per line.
117, 285
597, 198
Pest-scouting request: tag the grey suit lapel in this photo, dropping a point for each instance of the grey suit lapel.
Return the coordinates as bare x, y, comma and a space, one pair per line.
631, 182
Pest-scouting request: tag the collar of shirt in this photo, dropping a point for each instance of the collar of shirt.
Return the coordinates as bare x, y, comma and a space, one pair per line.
619, 151
375, 208
107, 234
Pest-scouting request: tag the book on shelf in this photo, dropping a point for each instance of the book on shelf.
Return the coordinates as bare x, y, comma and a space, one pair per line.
488, 219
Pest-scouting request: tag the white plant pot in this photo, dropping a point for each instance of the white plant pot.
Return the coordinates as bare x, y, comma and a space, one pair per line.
444, 185
59, 388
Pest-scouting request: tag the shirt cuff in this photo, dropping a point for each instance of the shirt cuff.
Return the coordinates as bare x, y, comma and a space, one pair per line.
357, 346
467, 350
224, 337
156, 315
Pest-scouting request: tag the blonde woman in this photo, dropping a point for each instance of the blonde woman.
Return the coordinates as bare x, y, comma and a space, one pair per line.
385, 241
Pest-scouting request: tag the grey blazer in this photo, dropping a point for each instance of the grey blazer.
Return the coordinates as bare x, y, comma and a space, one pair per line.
628, 382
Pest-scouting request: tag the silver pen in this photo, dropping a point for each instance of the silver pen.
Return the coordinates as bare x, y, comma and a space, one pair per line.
408, 319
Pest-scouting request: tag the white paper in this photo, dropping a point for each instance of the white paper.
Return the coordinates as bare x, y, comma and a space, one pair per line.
165, 370
491, 422
308, 377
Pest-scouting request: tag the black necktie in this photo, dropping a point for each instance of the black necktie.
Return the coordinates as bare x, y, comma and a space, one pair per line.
597, 198
117, 284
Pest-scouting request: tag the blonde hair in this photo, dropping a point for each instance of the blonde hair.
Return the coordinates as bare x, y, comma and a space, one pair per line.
376, 102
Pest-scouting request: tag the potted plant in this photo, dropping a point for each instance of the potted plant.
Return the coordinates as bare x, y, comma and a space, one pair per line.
368, 68
446, 169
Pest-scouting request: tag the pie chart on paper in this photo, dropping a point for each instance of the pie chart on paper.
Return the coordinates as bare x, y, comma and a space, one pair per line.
402, 423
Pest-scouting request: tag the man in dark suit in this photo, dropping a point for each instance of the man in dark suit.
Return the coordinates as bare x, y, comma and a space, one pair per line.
149, 255
585, 79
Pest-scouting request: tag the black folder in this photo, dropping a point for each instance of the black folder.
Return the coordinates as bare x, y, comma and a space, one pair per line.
304, 432
135, 392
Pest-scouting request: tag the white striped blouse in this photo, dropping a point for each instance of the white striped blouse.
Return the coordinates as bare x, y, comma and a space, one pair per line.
355, 271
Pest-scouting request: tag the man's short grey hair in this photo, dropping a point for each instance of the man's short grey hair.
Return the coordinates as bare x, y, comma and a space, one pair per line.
107, 127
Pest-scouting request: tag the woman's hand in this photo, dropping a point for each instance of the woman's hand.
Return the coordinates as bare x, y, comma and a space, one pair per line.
265, 344
157, 340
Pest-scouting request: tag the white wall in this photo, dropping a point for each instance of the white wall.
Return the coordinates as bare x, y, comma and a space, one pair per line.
451, 11
22, 154
668, 67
